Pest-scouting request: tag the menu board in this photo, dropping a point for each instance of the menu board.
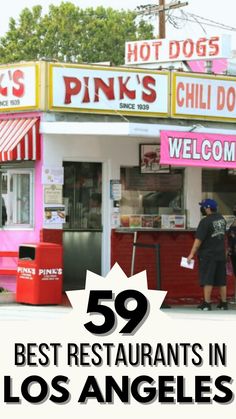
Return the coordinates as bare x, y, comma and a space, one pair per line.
164, 221
54, 214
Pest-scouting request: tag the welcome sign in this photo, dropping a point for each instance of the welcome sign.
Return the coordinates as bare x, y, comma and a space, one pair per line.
198, 149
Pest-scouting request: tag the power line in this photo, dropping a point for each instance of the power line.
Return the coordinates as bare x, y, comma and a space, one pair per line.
160, 10
193, 19
200, 24
214, 22
153, 10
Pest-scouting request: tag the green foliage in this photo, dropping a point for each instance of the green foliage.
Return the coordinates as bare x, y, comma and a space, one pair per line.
70, 34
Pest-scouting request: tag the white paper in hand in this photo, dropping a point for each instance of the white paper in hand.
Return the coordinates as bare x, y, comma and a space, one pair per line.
184, 263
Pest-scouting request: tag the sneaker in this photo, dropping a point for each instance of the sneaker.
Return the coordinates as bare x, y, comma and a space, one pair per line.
205, 306
223, 305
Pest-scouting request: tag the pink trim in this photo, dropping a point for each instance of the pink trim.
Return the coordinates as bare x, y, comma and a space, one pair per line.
11, 239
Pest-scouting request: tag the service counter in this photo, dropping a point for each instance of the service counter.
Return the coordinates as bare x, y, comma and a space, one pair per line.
180, 283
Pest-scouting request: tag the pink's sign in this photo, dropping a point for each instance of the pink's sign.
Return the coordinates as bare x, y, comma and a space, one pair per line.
198, 149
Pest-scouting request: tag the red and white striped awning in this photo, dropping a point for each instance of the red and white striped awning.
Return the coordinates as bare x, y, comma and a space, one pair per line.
19, 139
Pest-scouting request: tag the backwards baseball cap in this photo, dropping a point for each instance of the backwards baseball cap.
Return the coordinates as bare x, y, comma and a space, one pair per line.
208, 203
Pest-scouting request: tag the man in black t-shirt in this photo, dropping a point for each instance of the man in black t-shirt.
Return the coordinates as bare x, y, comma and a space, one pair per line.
231, 235
210, 246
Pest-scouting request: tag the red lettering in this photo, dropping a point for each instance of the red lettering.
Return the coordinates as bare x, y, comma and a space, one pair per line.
124, 91
231, 99
107, 89
3, 90
86, 97
226, 98
17, 76
189, 95
145, 51
196, 96
72, 87
180, 87
132, 52
220, 98
209, 96
201, 47
174, 49
214, 44
188, 48
151, 97
156, 45
202, 104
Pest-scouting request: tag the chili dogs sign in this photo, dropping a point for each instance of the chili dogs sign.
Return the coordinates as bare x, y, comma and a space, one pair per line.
203, 96
198, 149
108, 90
165, 50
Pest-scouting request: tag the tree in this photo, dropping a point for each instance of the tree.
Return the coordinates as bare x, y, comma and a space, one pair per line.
70, 34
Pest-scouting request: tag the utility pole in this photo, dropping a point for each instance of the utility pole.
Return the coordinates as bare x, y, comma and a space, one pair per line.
162, 20
160, 10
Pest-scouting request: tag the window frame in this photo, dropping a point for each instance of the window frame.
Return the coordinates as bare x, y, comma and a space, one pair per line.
79, 170
18, 170
173, 171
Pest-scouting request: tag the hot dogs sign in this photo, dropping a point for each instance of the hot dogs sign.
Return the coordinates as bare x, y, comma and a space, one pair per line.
165, 50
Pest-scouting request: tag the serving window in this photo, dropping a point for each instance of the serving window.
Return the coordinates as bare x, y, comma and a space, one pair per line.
152, 200
221, 186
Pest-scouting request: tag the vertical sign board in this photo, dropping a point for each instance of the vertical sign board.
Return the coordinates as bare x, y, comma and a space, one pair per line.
205, 97
110, 90
19, 87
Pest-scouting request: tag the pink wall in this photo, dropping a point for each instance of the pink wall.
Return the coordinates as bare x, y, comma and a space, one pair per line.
11, 239
218, 66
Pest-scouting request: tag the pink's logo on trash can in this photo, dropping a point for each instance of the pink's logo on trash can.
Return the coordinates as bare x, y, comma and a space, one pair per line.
50, 273
24, 270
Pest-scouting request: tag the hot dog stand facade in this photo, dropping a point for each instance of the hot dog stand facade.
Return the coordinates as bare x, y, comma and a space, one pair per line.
80, 164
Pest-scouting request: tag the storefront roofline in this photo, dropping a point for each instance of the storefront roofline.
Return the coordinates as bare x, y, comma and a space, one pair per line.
122, 129
100, 128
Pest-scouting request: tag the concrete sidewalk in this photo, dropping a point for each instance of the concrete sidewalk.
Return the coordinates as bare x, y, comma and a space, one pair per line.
10, 310
191, 312
16, 312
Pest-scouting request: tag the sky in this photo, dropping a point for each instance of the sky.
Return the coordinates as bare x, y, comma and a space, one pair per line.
210, 9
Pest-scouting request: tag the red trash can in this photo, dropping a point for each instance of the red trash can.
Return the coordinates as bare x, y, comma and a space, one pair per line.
39, 274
